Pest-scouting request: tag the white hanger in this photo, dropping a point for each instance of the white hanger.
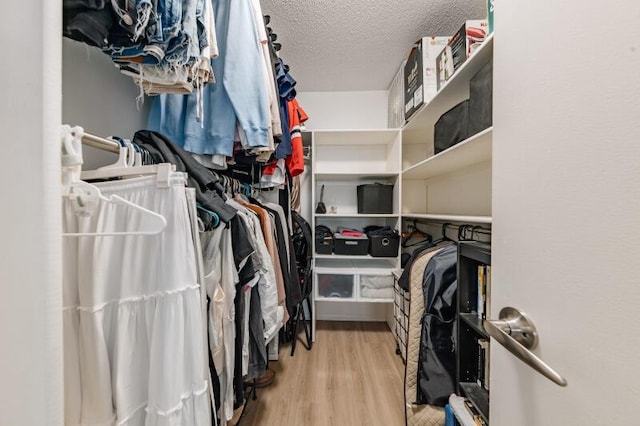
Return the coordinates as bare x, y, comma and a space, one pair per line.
125, 156
130, 164
85, 197
137, 154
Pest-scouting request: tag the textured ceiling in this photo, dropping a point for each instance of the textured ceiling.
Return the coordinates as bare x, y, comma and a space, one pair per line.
348, 45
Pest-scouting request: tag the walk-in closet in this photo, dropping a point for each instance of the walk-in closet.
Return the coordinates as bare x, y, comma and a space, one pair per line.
277, 213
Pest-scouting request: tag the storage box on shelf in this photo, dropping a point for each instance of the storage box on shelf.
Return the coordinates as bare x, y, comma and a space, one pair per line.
420, 76
417, 134
460, 47
375, 198
395, 100
345, 280
350, 245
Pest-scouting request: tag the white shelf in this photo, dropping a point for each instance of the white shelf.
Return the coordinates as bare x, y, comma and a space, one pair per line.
340, 176
450, 218
356, 137
351, 299
455, 90
354, 265
474, 150
349, 257
355, 215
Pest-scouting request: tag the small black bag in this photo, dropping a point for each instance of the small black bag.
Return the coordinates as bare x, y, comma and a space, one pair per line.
324, 240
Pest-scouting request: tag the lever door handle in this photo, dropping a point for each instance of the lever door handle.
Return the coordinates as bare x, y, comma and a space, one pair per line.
517, 333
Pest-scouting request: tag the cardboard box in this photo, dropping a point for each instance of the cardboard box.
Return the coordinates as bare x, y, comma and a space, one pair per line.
420, 76
463, 43
395, 100
444, 67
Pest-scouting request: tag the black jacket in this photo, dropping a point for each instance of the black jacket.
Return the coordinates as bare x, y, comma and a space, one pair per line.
437, 360
202, 179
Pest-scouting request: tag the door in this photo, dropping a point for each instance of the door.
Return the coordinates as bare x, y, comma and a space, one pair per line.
566, 208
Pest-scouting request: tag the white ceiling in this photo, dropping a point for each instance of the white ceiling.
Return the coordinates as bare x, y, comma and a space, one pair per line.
349, 45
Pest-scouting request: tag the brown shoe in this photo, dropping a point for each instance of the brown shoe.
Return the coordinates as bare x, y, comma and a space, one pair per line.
266, 379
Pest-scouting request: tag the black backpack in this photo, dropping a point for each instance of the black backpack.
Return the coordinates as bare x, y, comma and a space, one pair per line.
302, 248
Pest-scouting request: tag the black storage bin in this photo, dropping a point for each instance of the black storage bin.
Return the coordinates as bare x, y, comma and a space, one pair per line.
352, 246
481, 100
375, 198
324, 240
384, 245
452, 127
383, 241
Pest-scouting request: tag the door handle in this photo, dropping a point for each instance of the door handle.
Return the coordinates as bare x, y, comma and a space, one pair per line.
517, 333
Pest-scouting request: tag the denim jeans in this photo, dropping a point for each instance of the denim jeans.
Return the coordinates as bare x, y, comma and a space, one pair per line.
169, 38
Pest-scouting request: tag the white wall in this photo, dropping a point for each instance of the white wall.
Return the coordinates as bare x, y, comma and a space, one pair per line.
345, 110
339, 110
96, 96
31, 387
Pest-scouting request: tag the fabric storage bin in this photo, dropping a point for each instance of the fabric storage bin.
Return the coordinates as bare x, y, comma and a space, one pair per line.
384, 245
376, 287
452, 127
401, 318
383, 241
350, 245
375, 198
335, 285
481, 99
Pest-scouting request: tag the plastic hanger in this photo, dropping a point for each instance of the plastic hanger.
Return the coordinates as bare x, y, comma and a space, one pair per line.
85, 197
137, 152
163, 172
125, 167
214, 215
125, 158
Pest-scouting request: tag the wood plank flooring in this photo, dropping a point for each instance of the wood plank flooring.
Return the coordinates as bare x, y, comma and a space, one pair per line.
351, 377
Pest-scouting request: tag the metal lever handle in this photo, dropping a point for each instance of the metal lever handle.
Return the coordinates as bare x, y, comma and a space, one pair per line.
517, 334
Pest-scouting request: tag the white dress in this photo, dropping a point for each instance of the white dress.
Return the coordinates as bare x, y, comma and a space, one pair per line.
133, 326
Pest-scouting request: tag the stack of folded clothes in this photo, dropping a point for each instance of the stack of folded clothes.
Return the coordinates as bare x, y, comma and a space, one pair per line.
377, 287
164, 45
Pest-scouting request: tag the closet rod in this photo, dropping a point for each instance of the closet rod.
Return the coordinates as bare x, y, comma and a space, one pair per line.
100, 143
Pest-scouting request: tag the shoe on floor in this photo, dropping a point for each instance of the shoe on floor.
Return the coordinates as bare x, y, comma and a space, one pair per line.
265, 380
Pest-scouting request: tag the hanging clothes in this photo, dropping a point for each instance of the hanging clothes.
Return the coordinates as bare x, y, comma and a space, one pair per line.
286, 89
297, 116
239, 95
271, 313
201, 179
127, 318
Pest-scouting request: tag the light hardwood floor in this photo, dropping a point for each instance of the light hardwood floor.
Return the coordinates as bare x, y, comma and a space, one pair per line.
352, 376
